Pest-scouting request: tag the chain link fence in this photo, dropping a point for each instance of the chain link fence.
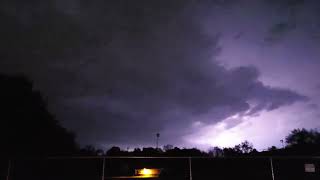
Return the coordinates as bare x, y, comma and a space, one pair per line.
177, 168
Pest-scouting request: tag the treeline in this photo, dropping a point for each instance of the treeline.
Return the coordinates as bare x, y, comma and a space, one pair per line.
27, 129
300, 142
242, 149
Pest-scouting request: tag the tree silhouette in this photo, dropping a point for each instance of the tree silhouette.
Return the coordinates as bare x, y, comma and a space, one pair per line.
215, 152
167, 147
114, 151
244, 148
299, 137
303, 142
27, 128
90, 150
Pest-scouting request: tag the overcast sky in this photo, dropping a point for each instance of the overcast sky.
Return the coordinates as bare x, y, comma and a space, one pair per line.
201, 73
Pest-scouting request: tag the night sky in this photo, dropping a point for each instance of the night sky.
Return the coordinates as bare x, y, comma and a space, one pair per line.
201, 73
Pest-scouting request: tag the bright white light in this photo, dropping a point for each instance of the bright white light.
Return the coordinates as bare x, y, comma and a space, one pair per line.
146, 171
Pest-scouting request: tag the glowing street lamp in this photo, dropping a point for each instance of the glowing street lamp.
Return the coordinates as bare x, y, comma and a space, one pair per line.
145, 172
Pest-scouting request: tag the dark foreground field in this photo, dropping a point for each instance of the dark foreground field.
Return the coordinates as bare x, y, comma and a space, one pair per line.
171, 168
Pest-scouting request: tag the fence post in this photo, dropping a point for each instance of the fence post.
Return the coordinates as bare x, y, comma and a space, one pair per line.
271, 164
190, 169
8, 170
103, 167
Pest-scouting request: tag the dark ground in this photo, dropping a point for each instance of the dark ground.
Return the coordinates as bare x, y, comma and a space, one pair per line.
173, 168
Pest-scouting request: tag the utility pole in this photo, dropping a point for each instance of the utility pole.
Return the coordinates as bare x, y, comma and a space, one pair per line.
8, 170
103, 168
190, 169
271, 165
158, 135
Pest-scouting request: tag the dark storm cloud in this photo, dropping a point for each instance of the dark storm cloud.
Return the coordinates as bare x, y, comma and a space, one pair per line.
287, 3
278, 31
118, 72
293, 15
